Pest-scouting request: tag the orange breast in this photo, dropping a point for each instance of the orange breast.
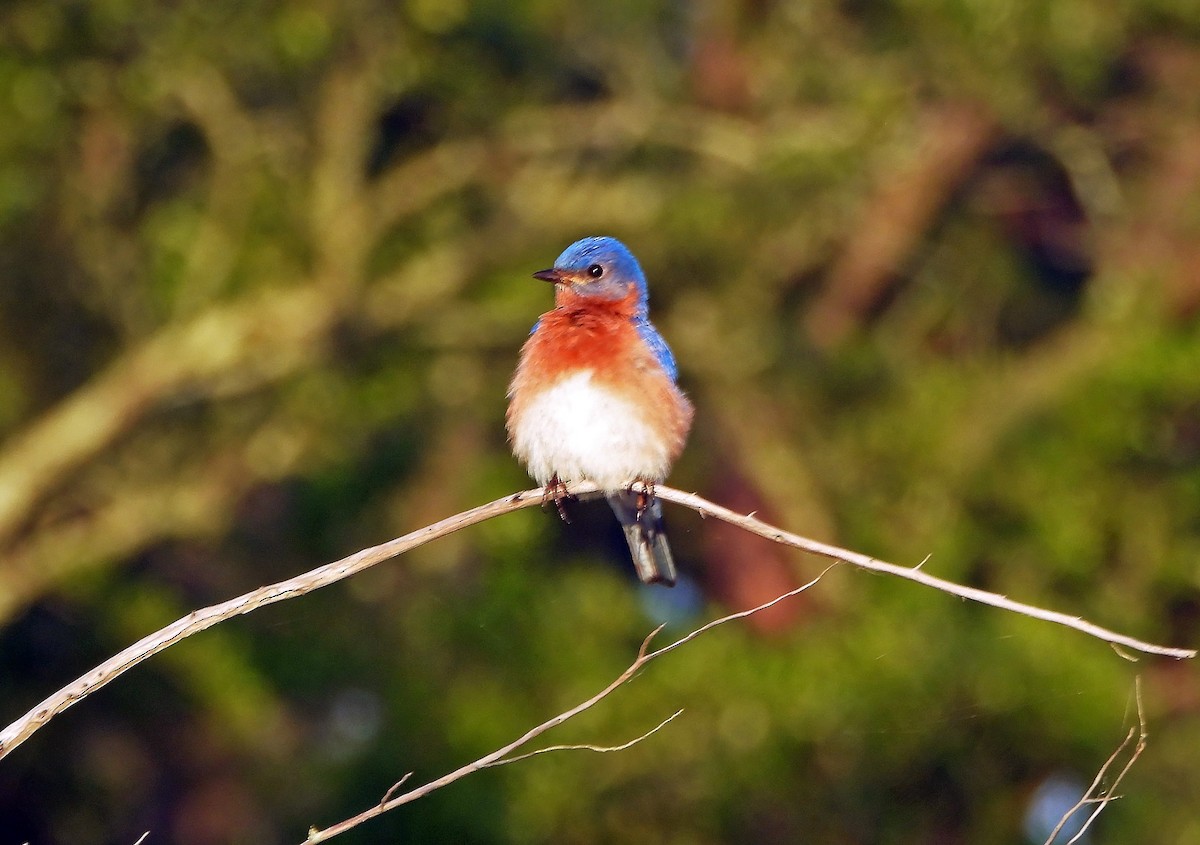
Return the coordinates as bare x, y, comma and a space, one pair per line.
582, 334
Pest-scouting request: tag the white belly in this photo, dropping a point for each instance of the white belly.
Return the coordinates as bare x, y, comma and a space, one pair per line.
583, 432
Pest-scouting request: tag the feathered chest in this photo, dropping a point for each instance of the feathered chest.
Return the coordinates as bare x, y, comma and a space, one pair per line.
567, 342
590, 400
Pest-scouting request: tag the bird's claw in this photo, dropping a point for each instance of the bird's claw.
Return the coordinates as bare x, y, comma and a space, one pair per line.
645, 497
557, 490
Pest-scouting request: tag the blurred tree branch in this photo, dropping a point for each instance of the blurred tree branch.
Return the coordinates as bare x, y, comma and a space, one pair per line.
899, 216
227, 350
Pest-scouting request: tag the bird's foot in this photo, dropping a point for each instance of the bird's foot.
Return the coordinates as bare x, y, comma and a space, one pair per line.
556, 489
644, 497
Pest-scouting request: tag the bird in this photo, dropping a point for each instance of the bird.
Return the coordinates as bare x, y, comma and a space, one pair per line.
595, 396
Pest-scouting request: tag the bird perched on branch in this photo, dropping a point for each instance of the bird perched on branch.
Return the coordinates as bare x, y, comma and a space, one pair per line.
594, 395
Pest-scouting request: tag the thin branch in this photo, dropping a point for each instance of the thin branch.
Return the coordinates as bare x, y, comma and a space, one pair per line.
501, 756
387, 796
199, 620
330, 573
1096, 796
778, 535
599, 749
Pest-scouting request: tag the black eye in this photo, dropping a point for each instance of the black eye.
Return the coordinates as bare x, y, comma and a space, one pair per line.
595, 271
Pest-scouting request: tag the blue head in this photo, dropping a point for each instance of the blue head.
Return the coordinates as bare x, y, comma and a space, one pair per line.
601, 267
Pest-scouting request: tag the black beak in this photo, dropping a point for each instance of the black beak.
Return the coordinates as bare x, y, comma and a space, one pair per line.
551, 275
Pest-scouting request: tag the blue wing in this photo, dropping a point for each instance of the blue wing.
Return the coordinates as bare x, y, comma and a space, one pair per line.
657, 345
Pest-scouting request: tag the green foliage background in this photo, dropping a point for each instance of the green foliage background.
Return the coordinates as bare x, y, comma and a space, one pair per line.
931, 273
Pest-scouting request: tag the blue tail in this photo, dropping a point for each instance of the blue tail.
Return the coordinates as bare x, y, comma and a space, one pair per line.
646, 537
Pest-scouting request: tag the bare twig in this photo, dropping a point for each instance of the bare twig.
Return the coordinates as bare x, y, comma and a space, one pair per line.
1097, 796
911, 573
501, 756
323, 576
599, 749
387, 796
199, 620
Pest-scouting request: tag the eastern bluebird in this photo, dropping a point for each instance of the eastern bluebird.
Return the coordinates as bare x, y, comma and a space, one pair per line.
594, 395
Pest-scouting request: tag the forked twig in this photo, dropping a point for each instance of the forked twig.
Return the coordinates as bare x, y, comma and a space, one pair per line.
1097, 796
600, 749
501, 756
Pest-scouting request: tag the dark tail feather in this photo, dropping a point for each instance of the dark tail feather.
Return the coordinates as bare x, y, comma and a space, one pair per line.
646, 538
